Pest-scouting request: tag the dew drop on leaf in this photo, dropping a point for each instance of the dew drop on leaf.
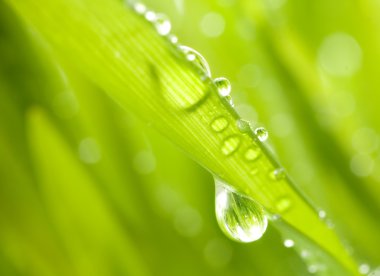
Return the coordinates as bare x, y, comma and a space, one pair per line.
239, 217
173, 39
223, 85
243, 125
219, 124
139, 8
252, 154
230, 144
197, 59
162, 24
278, 174
261, 133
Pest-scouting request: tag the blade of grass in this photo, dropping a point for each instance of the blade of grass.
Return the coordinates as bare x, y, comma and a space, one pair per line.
122, 54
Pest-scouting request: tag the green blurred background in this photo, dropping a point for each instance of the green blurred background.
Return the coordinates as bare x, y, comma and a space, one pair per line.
86, 188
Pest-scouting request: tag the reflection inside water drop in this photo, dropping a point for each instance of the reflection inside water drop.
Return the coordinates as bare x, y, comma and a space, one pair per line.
197, 59
239, 217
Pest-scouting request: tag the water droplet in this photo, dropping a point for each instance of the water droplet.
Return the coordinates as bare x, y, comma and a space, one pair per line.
243, 125
197, 59
139, 8
162, 24
322, 214
229, 100
150, 16
252, 154
219, 124
230, 144
173, 39
239, 217
283, 204
223, 85
261, 133
278, 174
288, 243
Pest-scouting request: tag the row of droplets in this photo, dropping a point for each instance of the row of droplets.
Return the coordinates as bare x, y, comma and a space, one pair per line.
239, 217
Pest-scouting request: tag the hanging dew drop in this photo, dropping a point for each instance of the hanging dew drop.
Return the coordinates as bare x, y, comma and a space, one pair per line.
197, 59
223, 85
239, 217
261, 133
162, 24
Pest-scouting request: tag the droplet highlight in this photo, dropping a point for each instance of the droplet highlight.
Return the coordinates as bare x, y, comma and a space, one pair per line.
197, 59
239, 217
261, 133
223, 85
219, 124
288, 243
230, 145
162, 24
139, 8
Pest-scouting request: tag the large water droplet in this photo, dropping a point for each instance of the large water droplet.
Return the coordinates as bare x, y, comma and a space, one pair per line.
162, 24
223, 85
261, 133
197, 59
230, 145
219, 124
239, 217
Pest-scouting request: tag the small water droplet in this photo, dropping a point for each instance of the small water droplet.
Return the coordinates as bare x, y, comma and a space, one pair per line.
261, 133
283, 204
219, 124
288, 243
223, 85
197, 59
162, 24
173, 39
239, 217
139, 8
243, 125
252, 154
322, 214
278, 174
150, 16
230, 144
